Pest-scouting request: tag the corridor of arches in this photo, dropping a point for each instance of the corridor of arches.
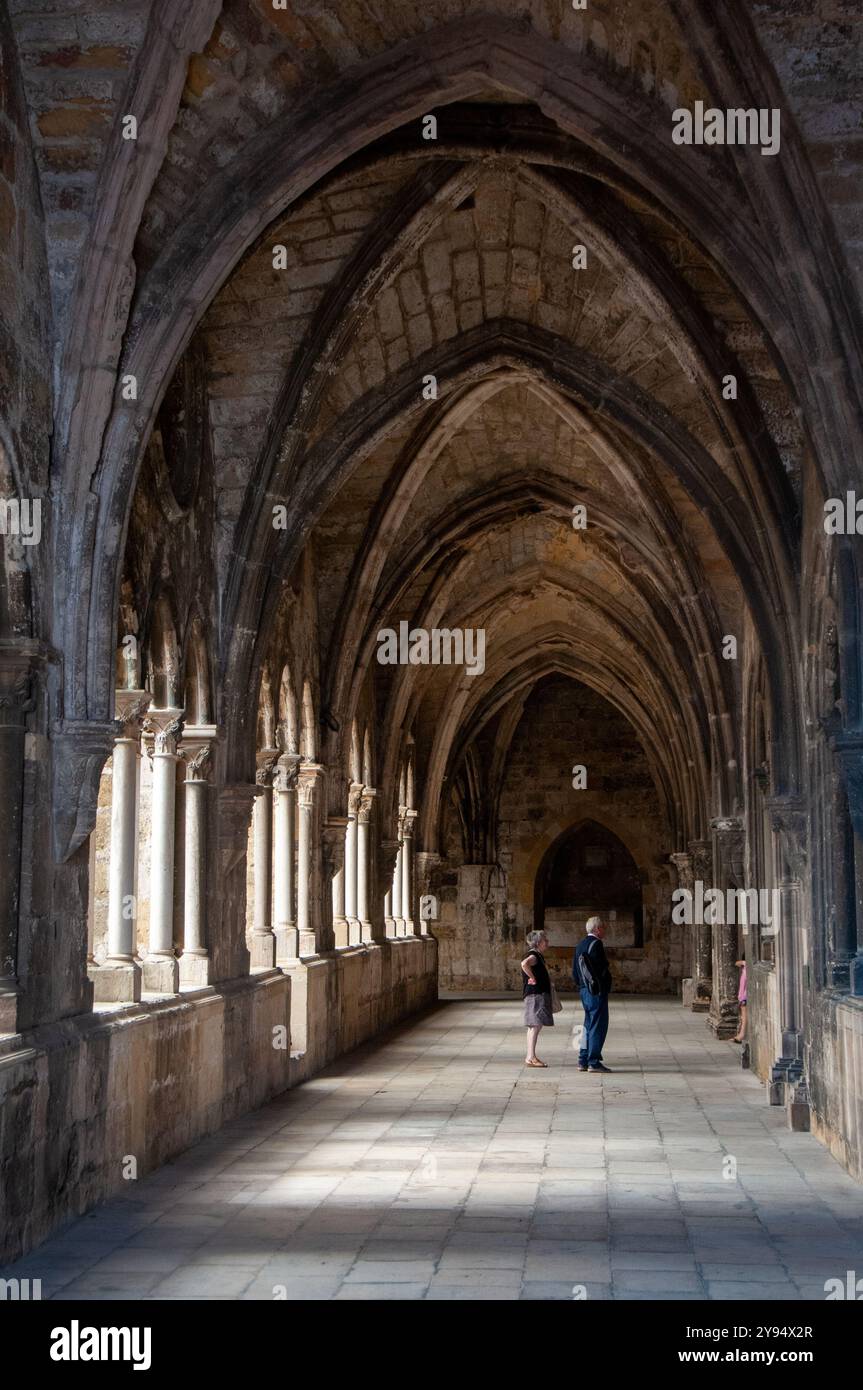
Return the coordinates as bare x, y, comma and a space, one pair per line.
432, 459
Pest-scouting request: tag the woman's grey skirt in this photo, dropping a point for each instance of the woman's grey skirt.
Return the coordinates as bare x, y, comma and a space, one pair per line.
537, 1011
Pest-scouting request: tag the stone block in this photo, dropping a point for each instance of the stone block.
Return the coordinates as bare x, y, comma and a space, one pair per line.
116, 984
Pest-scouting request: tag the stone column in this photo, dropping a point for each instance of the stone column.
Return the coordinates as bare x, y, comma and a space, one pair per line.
161, 973
308, 911
196, 749
398, 886
848, 746
387, 860
427, 866
351, 853
702, 933
228, 946
195, 959
364, 863
787, 1081
119, 978
683, 864
729, 840
287, 939
262, 946
333, 839
15, 703
408, 903
341, 927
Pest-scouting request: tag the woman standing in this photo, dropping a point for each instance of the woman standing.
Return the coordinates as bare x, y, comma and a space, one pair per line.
536, 990
740, 1035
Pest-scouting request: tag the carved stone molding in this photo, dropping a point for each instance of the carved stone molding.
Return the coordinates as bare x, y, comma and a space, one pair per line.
731, 848
683, 863
333, 845
310, 776
790, 822
386, 864
79, 750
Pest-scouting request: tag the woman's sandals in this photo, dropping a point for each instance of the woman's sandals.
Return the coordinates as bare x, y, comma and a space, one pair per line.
535, 1062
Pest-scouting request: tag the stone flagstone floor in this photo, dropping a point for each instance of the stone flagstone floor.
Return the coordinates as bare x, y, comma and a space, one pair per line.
431, 1164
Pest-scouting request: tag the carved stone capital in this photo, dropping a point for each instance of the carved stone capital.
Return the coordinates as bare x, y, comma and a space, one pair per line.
367, 805
130, 708
355, 792
407, 824
287, 772
310, 775
164, 727
197, 751
683, 863
265, 764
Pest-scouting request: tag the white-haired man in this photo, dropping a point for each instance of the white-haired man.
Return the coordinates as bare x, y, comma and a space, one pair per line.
590, 971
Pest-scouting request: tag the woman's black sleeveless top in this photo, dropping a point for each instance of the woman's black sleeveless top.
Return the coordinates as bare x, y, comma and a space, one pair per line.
540, 974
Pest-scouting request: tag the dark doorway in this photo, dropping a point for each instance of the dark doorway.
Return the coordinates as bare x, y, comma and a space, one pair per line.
589, 869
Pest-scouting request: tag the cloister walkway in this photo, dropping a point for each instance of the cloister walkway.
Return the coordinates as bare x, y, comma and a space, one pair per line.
432, 1164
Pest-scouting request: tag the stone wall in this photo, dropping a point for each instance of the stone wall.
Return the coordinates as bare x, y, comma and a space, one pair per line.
79, 1098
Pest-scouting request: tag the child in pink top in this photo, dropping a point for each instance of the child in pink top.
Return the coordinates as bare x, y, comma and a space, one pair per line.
740, 1035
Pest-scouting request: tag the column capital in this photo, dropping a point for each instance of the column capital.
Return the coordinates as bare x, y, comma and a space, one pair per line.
367, 805
310, 775
333, 843
386, 862
355, 791
702, 859
130, 709
164, 727
265, 765
407, 823
287, 772
79, 750
731, 846
196, 749
789, 820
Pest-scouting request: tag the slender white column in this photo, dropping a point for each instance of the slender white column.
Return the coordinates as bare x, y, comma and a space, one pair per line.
263, 942
197, 751
407, 872
364, 863
120, 976
307, 917
287, 940
161, 970
351, 848
398, 886
341, 926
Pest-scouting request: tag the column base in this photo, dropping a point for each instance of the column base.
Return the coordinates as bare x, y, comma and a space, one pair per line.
366, 933
287, 946
701, 997
341, 932
723, 1024
161, 975
400, 926
389, 928
116, 982
194, 969
355, 932
262, 951
308, 944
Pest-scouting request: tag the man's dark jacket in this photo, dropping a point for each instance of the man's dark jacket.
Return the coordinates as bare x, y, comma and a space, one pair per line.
590, 956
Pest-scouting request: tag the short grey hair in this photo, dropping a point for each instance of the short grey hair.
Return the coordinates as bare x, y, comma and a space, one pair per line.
593, 922
533, 938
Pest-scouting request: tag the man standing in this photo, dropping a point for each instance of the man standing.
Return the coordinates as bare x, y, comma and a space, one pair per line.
590, 971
